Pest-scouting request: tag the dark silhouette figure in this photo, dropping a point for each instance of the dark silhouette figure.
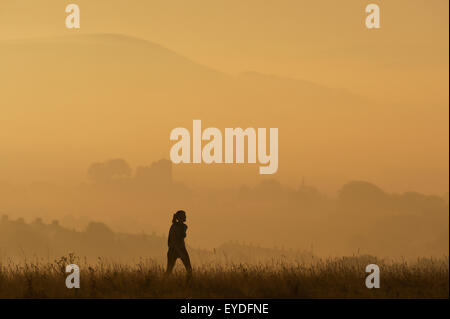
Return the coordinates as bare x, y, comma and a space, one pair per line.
177, 248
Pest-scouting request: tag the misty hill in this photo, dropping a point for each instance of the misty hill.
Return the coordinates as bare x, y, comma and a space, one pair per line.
90, 53
21, 241
107, 94
125, 73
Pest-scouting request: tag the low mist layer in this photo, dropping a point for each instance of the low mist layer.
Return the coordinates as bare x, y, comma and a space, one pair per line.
362, 219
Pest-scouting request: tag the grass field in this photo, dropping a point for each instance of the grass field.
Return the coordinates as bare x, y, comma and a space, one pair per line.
331, 278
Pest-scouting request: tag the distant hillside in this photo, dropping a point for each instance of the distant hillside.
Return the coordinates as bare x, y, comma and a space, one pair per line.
21, 241
106, 94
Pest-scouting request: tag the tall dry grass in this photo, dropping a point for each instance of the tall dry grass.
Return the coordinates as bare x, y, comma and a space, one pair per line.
321, 278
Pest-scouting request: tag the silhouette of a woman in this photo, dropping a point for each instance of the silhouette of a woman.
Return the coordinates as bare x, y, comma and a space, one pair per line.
177, 248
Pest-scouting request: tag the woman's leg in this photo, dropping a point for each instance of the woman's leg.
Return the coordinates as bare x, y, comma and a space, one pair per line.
186, 261
171, 259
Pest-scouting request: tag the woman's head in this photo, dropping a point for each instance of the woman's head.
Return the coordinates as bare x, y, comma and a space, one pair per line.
179, 217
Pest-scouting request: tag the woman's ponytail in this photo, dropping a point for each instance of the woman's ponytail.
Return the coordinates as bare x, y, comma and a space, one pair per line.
174, 218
